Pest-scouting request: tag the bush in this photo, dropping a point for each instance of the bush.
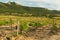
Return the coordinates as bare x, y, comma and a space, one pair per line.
4, 22
31, 24
54, 27
23, 26
35, 24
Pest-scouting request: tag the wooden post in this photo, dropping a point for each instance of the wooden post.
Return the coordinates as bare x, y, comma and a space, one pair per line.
11, 23
18, 27
11, 26
52, 22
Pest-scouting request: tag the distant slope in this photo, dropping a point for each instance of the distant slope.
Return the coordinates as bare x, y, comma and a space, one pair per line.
13, 8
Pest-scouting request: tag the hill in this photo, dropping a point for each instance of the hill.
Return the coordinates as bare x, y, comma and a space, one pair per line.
12, 8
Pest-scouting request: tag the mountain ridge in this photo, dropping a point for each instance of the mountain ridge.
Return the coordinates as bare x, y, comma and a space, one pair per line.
13, 8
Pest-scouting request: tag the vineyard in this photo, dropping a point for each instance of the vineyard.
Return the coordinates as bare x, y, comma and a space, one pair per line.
29, 28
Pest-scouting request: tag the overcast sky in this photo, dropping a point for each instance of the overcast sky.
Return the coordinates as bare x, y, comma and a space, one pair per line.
50, 4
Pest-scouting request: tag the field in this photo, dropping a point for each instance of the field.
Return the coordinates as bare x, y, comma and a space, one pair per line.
31, 27
42, 20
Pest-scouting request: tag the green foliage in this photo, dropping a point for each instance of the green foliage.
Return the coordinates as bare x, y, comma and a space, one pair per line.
23, 26
35, 24
10, 21
31, 24
54, 27
3, 22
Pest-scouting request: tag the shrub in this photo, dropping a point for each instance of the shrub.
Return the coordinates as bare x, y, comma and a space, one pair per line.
3, 22
31, 24
35, 24
54, 27
23, 26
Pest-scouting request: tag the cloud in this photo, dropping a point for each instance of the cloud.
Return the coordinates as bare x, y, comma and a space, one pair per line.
50, 4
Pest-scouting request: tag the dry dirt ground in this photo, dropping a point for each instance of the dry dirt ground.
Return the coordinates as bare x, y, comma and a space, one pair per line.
33, 34
39, 36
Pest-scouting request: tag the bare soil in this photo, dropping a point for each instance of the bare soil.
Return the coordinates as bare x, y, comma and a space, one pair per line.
41, 33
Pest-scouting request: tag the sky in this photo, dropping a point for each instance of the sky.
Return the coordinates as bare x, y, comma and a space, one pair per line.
50, 4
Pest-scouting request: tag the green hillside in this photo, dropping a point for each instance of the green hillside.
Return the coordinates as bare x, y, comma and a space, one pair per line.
12, 8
